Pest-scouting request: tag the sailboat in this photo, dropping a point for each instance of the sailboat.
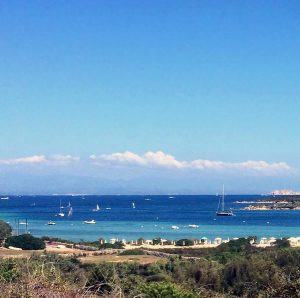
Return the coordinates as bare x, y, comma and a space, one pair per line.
60, 213
97, 208
70, 213
221, 211
133, 205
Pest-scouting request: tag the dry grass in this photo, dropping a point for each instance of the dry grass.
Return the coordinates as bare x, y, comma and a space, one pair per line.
9, 253
142, 259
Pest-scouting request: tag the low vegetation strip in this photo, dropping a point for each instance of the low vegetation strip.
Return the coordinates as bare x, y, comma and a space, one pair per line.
233, 269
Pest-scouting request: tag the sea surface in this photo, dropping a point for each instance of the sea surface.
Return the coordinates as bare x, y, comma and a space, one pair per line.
152, 217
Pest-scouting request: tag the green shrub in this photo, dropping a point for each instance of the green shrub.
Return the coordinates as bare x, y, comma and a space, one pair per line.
26, 242
164, 290
132, 252
8, 270
185, 242
282, 243
156, 241
116, 245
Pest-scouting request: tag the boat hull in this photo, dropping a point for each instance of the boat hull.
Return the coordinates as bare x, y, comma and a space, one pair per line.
224, 214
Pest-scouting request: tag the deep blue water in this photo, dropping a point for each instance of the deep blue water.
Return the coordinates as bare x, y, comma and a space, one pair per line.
152, 217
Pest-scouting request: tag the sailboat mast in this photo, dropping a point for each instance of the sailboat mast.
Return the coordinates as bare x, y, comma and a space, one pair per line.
222, 206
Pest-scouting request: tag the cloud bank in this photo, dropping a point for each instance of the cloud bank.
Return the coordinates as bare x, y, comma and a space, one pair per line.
150, 159
163, 160
152, 172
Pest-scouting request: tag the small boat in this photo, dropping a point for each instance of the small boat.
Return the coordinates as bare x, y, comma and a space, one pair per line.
51, 223
221, 207
5, 198
90, 221
23, 223
171, 197
97, 208
108, 208
193, 226
133, 205
174, 227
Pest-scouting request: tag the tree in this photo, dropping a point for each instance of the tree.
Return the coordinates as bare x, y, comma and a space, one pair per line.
26, 242
5, 230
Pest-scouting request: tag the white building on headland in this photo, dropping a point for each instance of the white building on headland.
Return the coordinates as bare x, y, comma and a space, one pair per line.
284, 192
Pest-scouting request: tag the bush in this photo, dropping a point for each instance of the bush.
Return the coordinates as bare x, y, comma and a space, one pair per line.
282, 243
185, 242
8, 271
56, 239
156, 241
132, 252
116, 245
164, 290
235, 246
26, 242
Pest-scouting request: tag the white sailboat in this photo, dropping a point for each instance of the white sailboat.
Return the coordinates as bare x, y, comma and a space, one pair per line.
133, 205
70, 213
221, 207
60, 213
97, 208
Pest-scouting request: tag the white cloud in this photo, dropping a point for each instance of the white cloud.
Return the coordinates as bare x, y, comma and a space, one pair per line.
126, 157
163, 160
35, 159
158, 158
64, 158
264, 166
39, 159
254, 165
202, 164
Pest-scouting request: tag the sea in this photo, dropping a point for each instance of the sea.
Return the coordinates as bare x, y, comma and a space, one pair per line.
152, 217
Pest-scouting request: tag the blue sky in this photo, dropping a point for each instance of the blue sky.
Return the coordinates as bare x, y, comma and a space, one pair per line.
199, 80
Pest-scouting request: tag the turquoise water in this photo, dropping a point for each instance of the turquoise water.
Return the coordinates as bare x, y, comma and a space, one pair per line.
152, 217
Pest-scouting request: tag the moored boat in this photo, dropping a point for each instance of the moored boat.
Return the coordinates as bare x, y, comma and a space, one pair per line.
90, 221
221, 207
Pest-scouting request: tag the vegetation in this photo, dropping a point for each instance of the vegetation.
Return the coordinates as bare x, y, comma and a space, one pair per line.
185, 242
116, 245
234, 269
25, 241
5, 230
56, 239
132, 252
